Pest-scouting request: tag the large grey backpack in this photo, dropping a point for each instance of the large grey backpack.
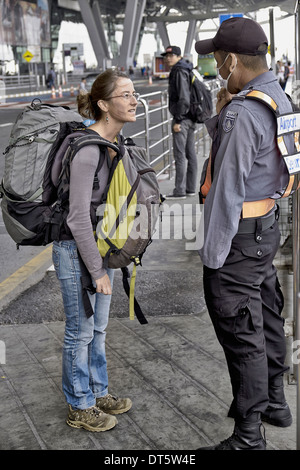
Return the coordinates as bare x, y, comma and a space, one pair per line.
27, 189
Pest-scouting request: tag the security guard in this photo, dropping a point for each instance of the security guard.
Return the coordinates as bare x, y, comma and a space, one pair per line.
241, 234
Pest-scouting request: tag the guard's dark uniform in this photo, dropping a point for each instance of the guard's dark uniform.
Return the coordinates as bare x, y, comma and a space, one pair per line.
241, 288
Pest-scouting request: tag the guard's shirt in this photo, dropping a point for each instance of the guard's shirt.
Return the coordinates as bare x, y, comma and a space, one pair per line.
247, 167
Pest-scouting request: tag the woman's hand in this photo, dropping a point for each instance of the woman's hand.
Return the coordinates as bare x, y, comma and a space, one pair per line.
223, 97
103, 285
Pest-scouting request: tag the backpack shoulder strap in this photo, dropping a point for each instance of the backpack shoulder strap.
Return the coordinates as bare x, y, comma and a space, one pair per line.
92, 139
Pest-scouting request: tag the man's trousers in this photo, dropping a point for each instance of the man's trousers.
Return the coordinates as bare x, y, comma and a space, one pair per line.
185, 158
245, 302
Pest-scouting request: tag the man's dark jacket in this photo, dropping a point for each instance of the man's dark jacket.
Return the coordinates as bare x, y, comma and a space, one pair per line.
179, 90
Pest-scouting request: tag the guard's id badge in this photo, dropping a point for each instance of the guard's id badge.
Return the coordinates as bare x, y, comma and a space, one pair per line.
289, 124
229, 121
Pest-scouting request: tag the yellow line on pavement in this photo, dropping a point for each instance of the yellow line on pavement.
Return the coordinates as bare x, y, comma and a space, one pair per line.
19, 276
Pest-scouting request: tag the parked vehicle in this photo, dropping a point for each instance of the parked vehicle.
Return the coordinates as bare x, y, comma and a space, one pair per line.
207, 66
160, 68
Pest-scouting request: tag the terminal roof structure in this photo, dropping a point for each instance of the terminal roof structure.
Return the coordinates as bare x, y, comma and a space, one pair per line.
134, 17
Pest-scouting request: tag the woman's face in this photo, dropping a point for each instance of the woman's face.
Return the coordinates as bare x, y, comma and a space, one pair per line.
122, 103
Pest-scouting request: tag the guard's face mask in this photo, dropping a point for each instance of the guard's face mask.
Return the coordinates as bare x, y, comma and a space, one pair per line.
224, 81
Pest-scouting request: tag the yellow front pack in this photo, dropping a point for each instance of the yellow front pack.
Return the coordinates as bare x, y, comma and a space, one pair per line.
119, 212
127, 217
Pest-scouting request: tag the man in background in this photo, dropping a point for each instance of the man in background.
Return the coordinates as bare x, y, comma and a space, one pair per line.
182, 126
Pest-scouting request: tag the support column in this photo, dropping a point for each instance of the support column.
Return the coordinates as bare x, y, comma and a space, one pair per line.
137, 28
191, 33
93, 30
128, 33
163, 32
101, 29
272, 39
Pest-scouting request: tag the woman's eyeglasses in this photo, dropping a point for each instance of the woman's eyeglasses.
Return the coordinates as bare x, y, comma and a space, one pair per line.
127, 96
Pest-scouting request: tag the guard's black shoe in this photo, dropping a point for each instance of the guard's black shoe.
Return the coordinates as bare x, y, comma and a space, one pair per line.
278, 415
246, 436
278, 412
235, 443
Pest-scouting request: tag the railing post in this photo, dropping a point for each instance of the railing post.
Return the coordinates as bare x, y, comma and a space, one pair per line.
165, 128
147, 136
170, 139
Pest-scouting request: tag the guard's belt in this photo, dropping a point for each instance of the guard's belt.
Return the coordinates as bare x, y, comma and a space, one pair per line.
250, 225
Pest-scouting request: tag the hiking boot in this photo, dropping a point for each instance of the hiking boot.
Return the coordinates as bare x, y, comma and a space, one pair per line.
91, 419
246, 436
113, 405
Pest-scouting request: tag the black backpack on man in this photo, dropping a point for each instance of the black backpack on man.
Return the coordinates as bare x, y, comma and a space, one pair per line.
201, 101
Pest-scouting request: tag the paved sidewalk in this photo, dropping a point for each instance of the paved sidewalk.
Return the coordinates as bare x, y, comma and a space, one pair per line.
173, 369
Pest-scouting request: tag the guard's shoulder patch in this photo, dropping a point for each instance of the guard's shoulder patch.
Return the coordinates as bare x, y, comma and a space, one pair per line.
229, 121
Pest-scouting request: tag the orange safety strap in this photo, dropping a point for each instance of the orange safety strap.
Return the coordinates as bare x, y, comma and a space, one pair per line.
296, 140
256, 94
282, 146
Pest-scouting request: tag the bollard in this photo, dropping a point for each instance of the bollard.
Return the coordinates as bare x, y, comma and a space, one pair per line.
72, 91
60, 94
53, 92
150, 79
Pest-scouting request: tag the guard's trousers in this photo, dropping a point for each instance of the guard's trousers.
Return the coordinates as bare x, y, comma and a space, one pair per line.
245, 302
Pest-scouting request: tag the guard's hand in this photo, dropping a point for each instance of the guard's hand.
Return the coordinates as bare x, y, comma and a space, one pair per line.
103, 285
177, 128
223, 97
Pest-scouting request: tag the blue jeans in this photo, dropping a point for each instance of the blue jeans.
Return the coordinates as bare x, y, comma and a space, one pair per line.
84, 374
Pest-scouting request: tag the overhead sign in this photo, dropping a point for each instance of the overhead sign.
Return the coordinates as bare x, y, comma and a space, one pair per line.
73, 50
226, 17
28, 56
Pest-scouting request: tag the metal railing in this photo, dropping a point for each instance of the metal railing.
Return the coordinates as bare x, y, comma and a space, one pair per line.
14, 82
10, 86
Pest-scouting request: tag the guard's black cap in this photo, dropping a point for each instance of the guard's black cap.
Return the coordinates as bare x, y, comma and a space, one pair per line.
172, 50
237, 34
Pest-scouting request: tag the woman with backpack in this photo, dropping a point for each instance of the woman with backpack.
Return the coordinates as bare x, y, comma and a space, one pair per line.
111, 103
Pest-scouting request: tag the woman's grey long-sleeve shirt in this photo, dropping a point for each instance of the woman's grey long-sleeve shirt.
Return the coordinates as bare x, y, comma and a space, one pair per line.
82, 173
